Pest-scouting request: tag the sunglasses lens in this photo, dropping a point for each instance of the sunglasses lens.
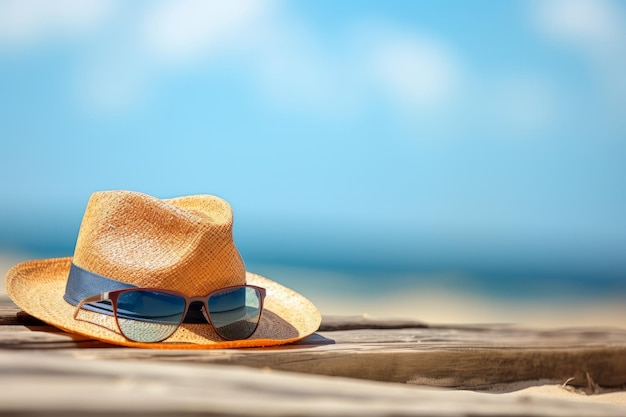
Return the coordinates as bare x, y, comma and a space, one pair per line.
149, 316
235, 313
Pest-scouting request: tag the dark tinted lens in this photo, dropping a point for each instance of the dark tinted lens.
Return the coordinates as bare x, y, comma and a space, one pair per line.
149, 316
235, 313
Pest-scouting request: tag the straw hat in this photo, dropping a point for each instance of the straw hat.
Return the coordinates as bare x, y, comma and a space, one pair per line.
183, 244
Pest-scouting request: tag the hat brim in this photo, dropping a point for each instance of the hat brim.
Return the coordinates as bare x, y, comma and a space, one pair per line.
37, 287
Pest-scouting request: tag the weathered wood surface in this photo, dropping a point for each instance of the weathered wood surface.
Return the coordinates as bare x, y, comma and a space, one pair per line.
46, 371
54, 384
407, 352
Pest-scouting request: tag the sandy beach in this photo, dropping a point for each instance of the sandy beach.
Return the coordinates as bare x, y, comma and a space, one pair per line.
553, 389
334, 294
441, 306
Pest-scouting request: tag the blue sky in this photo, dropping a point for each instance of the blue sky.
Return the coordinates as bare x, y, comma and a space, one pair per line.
448, 134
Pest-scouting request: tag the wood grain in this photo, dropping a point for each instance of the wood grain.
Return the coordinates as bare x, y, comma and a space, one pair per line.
459, 357
57, 384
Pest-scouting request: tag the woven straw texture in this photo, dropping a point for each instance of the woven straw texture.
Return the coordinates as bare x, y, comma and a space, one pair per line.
183, 244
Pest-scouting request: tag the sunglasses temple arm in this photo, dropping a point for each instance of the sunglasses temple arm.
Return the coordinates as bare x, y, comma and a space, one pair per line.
93, 299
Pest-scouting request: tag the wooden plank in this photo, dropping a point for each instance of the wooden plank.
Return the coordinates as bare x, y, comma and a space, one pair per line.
460, 357
465, 368
56, 384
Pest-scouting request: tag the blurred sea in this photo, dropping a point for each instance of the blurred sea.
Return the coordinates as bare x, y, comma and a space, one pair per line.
412, 282
361, 262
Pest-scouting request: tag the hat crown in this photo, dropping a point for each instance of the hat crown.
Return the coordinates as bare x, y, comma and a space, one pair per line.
183, 244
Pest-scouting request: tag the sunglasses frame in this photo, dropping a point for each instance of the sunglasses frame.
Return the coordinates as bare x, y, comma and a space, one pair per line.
113, 296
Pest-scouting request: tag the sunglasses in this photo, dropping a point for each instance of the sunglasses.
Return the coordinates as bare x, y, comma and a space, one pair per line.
150, 315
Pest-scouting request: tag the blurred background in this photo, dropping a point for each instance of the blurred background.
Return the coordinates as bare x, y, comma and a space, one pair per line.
449, 161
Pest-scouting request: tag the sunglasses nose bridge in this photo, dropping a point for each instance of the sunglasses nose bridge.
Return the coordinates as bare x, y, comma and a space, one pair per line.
200, 299
197, 299
203, 300
196, 310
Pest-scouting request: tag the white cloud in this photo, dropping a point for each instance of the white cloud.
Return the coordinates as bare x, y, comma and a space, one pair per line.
294, 69
278, 54
182, 30
590, 23
417, 71
290, 64
287, 61
27, 21
594, 28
